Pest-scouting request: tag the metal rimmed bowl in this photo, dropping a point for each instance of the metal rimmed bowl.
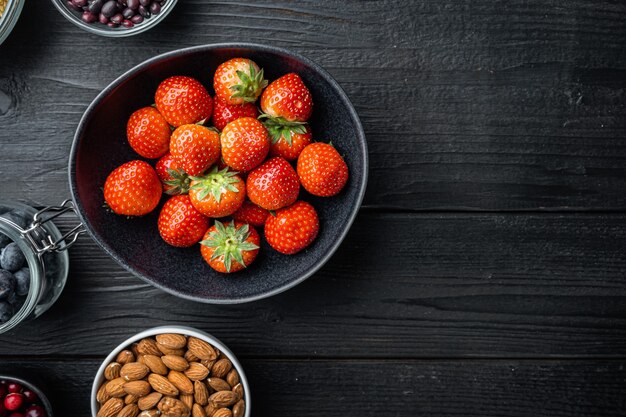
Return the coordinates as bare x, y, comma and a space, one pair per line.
27, 384
187, 331
9, 17
119, 32
100, 146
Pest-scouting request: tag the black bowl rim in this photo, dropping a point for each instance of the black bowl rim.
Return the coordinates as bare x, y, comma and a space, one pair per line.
209, 47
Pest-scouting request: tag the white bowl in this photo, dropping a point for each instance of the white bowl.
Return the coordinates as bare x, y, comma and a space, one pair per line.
187, 331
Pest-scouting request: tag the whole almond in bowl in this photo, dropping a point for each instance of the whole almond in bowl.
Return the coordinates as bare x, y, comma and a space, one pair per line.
171, 371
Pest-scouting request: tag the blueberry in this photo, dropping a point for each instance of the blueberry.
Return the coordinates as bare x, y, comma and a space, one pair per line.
6, 312
4, 240
12, 258
17, 303
7, 284
22, 281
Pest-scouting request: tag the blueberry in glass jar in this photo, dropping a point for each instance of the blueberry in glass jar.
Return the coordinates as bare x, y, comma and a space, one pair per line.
12, 258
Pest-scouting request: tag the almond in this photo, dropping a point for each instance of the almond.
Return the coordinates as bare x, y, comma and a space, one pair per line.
102, 396
221, 368
131, 399
148, 347
218, 384
124, 357
210, 409
172, 341
201, 349
111, 408
239, 409
180, 381
150, 413
232, 377
187, 399
196, 371
200, 393
224, 398
149, 401
134, 371
161, 384
208, 363
190, 357
198, 411
134, 351
171, 407
175, 363
131, 410
155, 364
138, 388
115, 388
223, 412
169, 351
238, 389
112, 371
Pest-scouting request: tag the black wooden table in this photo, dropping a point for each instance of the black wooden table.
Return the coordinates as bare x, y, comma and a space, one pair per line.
484, 275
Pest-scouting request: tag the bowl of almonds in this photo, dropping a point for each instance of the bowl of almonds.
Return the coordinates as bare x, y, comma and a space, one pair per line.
171, 371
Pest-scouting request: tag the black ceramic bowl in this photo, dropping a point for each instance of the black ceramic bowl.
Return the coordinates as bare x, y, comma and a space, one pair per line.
100, 146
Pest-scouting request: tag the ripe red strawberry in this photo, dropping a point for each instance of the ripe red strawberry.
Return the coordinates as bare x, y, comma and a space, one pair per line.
175, 180
238, 81
252, 214
148, 133
133, 189
245, 144
183, 100
321, 169
273, 185
224, 113
287, 141
218, 193
195, 148
287, 98
230, 248
293, 228
180, 224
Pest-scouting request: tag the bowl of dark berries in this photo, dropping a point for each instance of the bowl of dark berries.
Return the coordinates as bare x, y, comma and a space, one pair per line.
221, 173
115, 18
20, 398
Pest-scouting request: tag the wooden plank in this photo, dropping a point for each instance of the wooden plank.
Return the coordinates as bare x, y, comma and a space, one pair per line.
391, 388
465, 105
401, 286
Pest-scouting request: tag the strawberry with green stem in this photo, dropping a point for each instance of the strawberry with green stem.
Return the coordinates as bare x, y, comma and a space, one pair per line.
230, 248
218, 193
238, 81
288, 138
175, 180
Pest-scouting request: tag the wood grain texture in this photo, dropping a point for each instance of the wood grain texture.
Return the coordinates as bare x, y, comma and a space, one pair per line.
392, 388
465, 105
401, 286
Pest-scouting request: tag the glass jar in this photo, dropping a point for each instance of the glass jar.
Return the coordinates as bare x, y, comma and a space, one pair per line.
9, 17
44, 248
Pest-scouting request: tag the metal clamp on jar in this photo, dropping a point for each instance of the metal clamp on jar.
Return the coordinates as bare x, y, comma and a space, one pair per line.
45, 250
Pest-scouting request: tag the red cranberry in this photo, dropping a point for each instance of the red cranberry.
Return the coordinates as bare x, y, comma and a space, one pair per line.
14, 387
30, 396
35, 411
13, 401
